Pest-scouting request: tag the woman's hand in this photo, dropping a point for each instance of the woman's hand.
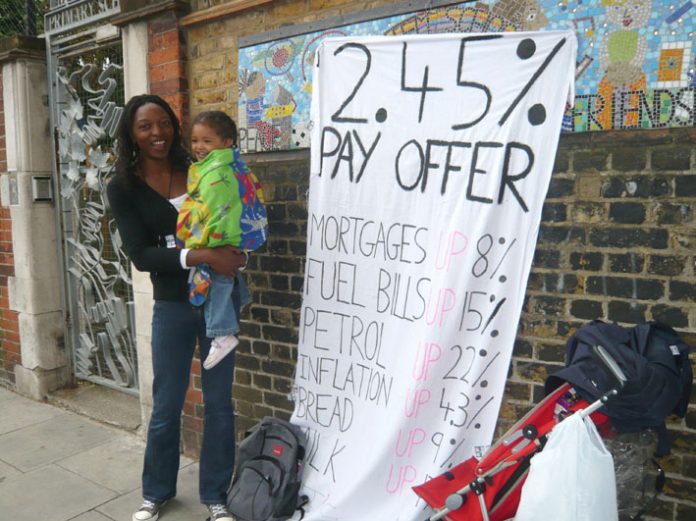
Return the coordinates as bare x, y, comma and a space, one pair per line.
225, 260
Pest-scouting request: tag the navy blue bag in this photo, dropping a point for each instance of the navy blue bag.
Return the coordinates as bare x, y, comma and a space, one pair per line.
655, 361
662, 345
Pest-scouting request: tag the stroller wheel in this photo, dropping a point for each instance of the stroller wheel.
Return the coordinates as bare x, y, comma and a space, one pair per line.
530, 432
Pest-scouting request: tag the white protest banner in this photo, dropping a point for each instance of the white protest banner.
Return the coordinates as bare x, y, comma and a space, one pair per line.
431, 158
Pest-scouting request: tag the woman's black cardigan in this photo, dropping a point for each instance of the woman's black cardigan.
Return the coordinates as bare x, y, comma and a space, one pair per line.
146, 222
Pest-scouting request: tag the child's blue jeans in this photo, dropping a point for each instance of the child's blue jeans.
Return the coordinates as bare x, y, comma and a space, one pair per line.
221, 315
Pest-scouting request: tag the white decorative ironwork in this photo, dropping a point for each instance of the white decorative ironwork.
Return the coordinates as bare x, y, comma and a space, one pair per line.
102, 306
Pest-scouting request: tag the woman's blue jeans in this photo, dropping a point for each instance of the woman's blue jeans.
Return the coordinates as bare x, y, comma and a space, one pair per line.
175, 328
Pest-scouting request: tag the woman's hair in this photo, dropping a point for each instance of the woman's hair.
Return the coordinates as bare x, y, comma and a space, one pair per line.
127, 151
221, 123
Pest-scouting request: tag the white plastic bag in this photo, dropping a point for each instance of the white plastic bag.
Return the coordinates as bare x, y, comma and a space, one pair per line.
572, 479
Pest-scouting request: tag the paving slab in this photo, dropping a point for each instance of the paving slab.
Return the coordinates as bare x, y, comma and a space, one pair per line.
100, 403
50, 493
116, 465
51, 440
25, 412
56, 465
7, 472
94, 516
185, 507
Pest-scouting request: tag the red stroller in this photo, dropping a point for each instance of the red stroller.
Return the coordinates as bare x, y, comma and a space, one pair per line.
493, 485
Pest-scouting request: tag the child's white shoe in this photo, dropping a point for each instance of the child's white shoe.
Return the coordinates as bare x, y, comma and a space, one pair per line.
219, 349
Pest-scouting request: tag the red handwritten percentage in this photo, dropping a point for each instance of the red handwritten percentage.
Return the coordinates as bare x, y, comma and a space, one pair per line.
525, 50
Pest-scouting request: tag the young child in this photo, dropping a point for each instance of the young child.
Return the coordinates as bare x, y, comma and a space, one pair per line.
224, 206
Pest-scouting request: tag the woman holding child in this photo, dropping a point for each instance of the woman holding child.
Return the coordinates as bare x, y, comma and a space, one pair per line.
145, 196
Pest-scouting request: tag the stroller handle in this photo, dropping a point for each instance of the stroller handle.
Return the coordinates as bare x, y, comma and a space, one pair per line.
611, 364
615, 370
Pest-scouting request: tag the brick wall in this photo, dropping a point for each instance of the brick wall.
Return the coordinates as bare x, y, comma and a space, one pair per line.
167, 63
10, 354
617, 242
267, 354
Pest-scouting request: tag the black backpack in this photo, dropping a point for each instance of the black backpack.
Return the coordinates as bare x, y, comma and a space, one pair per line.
269, 466
663, 346
655, 361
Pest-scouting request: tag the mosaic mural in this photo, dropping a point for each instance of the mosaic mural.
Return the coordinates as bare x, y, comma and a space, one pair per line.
636, 63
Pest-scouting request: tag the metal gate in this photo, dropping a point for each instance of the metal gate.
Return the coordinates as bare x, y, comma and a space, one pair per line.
86, 101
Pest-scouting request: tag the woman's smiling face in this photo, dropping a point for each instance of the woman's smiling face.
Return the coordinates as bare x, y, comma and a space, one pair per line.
153, 131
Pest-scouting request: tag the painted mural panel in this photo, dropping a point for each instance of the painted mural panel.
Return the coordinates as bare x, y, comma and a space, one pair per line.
635, 68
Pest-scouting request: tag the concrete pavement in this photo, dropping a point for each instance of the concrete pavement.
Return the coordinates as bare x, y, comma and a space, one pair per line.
56, 465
